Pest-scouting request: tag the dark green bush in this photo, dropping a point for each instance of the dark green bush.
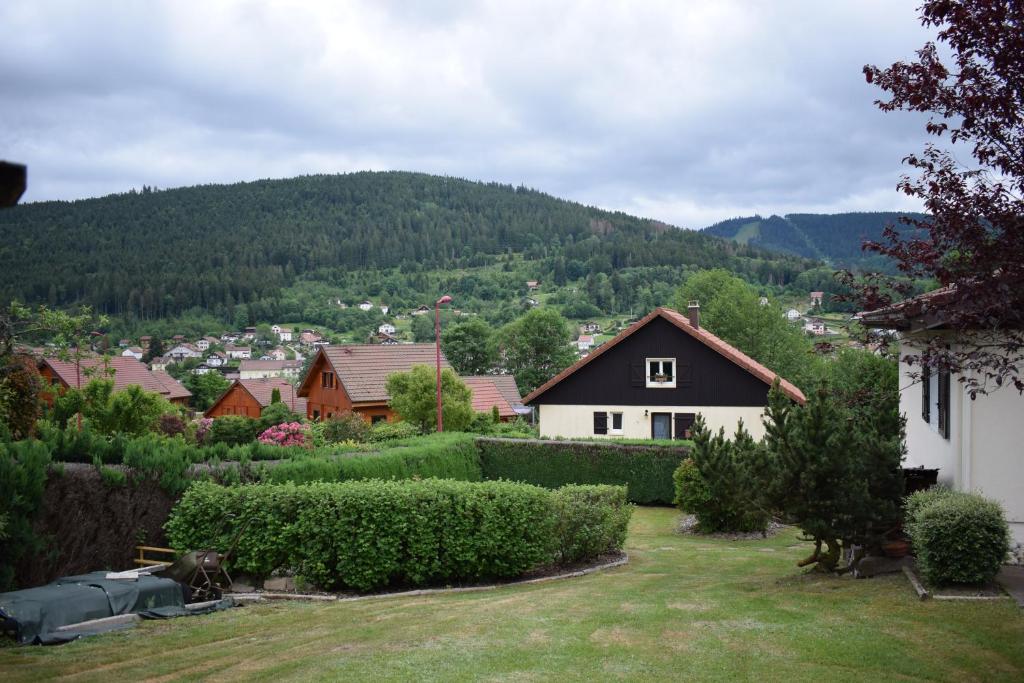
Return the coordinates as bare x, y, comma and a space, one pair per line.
957, 537
443, 456
370, 534
392, 431
346, 426
719, 482
233, 430
645, 470
22, 480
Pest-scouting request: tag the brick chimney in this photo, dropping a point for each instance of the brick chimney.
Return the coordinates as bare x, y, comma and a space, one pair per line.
693, 313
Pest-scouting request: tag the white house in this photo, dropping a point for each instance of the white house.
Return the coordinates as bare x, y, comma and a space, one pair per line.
386, 328
815, 327
365, 305
262, 369
285, 335
421, 310
792, 315
133, 351
203, 344
182, 351
584, 342
976, 444
277, 353
652, 380
238, 352
385, 309
216, 360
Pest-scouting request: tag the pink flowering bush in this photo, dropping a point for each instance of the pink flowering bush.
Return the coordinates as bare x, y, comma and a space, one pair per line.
285, 434
203, 429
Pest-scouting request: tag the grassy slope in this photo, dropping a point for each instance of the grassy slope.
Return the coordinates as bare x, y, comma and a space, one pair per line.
683, 609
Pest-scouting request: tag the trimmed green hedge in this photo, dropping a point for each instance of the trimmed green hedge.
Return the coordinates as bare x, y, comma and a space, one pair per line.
645, 470
442, 456
957, 537
365, 535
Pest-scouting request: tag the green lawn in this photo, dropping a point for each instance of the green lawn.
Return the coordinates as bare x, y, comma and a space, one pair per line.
683, 609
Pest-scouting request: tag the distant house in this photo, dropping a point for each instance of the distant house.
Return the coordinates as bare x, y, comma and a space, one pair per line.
309, 337
283, 334
124, 343
816, 298
248, 397
353, 377
365, 305
763, 301
530, 301
278, 354
202, 369
383, 338
584, 342
651, 381
490, 391
229, 337
590, 328
202, 344
975, 443
238, 352
183, 351
792, 315
262, 369
249, 333
532, 285
178, 338
216, 359
815, 327
386, 328
385, 309
161, 363
133, 351
127, 371
145, 340
421, 310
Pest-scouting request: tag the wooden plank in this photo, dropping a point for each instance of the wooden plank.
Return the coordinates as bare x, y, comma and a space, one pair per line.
922, 592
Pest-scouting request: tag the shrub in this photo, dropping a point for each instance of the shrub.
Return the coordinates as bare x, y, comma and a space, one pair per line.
203, 426
285, 434
22, 480
274, 414
392, 431
645, 470
913, 503
592, 520
347, 426
170, 425
957, 537
232, 430
368, 535
718, 483
444, 456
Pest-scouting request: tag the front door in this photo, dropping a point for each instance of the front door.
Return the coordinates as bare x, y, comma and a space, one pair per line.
661, 425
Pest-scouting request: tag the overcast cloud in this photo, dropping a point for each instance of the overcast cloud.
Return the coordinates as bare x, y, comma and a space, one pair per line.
687, 112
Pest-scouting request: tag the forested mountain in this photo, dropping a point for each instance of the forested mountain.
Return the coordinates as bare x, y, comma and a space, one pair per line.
834, 238
259, 250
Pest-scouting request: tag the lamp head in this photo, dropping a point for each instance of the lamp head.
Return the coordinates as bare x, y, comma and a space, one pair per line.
444, 300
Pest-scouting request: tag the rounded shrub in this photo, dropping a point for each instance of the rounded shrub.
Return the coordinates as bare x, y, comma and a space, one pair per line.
957, 537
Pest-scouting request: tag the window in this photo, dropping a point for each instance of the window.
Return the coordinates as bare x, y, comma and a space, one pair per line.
616, 426
316, 414
661, 373
374, 419
683, 425
601, 423
327, 380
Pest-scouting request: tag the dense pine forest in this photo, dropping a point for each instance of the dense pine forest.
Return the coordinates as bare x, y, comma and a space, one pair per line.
833, 238
297, 248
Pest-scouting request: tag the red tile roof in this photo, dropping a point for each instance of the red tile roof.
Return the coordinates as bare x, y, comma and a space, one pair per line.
175, 390
486, 395
127, 371
700, 334
252, 365
363, 369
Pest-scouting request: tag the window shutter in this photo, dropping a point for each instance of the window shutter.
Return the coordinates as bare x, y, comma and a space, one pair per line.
636, 375
600, 423
683, 422
684, 373
926, 395
943, 400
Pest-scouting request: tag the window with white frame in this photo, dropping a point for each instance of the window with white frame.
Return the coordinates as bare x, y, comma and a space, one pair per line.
661, 373
615, 426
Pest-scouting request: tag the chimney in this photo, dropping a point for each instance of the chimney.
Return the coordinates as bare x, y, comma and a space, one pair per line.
693, 313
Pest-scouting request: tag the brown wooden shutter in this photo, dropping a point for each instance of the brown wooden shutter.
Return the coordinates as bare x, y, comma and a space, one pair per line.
601, 423
636, 375
926, 394
683, 422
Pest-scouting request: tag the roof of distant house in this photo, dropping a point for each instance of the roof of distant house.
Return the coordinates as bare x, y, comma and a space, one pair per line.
699, 333
363, 369
175, 389
127, 371
252, 365
486, 395
586, 339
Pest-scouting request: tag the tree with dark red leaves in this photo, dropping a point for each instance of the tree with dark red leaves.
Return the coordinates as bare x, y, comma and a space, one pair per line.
972, 243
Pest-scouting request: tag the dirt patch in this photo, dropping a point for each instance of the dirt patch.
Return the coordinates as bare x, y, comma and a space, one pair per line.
689, 606
616, 635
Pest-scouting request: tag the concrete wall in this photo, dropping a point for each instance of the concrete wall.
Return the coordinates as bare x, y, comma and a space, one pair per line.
575, 421
985, 449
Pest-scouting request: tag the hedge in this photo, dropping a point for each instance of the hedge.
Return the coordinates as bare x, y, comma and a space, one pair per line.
957, 537
645, 470
366, 535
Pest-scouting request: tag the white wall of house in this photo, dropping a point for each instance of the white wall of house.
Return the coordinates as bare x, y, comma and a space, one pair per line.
576, 421
985, 449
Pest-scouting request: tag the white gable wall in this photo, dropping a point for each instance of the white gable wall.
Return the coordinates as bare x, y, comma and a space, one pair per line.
577, 421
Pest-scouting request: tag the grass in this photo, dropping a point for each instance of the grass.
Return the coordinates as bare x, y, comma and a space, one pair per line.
684, 608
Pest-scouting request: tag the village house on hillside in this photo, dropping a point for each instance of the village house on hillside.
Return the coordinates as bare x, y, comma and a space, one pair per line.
238, 352
652, 379
127, 371
975, 444
133, 352
248, 397
262, 369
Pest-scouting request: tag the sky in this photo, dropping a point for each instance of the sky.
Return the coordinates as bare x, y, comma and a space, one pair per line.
685, 111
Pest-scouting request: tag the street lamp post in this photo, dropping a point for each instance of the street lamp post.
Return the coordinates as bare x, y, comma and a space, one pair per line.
437, 343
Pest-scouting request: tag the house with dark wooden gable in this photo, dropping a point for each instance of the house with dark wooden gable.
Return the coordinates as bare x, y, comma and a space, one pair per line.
248, 397
652, 380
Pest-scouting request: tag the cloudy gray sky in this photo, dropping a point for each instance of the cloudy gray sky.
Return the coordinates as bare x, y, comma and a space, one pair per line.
686, 111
